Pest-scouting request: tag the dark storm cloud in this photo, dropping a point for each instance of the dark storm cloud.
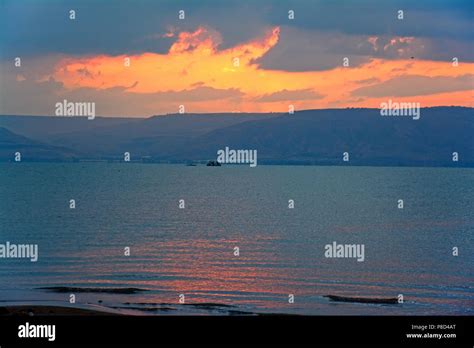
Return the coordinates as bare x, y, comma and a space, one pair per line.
405, 86
125, 26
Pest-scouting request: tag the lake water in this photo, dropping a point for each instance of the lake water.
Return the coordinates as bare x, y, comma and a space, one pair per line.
190, 251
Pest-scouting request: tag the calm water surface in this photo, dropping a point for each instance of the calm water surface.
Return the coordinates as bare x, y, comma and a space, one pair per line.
191, 251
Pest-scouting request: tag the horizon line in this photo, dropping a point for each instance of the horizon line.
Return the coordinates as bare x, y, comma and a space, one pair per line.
231, 112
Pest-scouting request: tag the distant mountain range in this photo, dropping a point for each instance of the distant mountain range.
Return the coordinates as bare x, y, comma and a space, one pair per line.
318, 137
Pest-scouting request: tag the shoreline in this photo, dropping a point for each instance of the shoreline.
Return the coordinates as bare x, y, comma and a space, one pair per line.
25, 310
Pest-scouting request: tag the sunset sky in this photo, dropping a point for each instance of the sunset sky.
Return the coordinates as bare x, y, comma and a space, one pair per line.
192, 61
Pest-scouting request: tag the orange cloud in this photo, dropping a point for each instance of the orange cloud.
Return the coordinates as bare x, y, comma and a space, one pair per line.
195, 59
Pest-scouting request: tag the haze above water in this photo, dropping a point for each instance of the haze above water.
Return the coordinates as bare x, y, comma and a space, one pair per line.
191, 251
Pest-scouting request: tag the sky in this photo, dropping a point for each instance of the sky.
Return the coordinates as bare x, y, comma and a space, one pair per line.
139, 58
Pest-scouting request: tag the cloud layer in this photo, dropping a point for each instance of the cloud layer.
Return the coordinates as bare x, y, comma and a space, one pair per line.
229, 56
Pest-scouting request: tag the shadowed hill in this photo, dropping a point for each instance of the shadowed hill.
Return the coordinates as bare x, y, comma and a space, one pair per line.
321, 136
307, 137
10, 143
